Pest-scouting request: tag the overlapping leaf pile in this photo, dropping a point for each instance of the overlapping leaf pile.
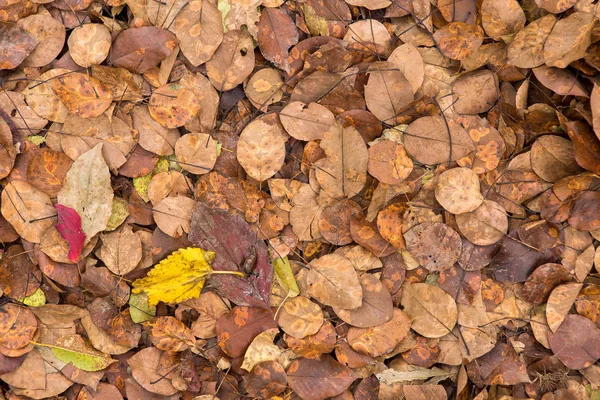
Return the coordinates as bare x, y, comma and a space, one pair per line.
359, 199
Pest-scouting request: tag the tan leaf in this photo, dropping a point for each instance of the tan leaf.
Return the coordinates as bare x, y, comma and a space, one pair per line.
27, 209
553, 158
433, 312
42, 99
89, 44
199, 28
333, 281
569, 39
485, 225
458, 190
502, 18
173, 215
377, 307
560, 302
458, 40
380, 340
430, 141
306, 121
387, 92
83, 95
173, 106
261, 349
261, 149
299, 317
233, 61
196, 152
527, 48
88, 191
342, 175
121, 250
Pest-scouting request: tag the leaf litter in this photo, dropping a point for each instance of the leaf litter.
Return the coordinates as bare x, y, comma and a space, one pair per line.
317, 199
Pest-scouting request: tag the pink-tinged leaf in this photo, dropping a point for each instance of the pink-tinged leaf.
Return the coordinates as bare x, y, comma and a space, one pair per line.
238, 249
69, 227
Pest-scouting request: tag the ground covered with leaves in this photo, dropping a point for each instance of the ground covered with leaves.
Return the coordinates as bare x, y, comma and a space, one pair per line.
311, 199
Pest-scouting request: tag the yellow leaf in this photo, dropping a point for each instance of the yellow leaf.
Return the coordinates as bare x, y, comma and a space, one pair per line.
285, 276
179, 277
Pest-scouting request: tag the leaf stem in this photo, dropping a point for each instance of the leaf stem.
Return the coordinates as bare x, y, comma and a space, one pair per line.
238, 273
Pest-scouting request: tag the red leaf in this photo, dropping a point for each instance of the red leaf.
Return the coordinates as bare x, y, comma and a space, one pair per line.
69, 227
237, 247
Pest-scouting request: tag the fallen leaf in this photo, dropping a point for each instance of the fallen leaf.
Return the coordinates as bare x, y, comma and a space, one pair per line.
75, 350
140, 49
233, 61
87, 190
276, 34
170, 334
231, 238
553, 158
568, 39
387, 91
575, 342
430, 141
458, 40
341, 176
27, 209
178, 277
306, 121
299, 317
89, 44
199, 28
485, 225
237, 329
433, 312
502, 19
435, 246
458, 190
527, 47
69, 227
560, 302
382, 339
83, 95
261, 149
333, 281
261, 350
319, 378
